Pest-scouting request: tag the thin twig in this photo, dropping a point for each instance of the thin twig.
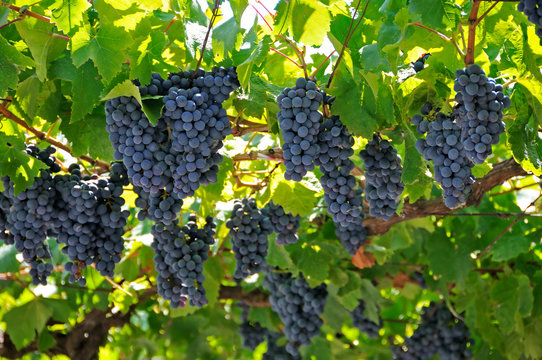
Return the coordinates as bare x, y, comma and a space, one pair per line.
287, 57
347, 39
263, 17
169, 25
486, 12
322, 64
211, 22
10, 22
518, 217
419, 24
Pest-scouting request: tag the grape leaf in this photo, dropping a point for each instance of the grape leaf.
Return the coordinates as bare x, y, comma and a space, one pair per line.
8, 262
67, 15
23, 321
21, 168
309, 21
8, 74
432, 12
86, 90
294, 197
107, 48
37, 35
148, 53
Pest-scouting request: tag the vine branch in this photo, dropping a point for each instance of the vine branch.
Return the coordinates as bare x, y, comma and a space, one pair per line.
27, 12
469, 57
211, 22
43, 136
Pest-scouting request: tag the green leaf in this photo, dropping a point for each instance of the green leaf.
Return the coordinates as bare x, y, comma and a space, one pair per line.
148, 53
86, 90
313, 262
37, 35
348, 105
432, 12
504, 292
126, 88
319, 349
523, 137
278, 256
228, 36
14, 55
107, 48
67, 15
309, 21
45, 341
88, 136
8, 261
153, 109
244, 70
23, 321
452, 268
21, 168
8, 74
294, 197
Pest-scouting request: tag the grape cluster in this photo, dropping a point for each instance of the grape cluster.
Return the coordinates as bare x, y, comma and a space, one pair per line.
253, 334
299, 122
480, 111
179, 256
442, 145
343, 199
440, 333
383, 186
249, 229
275, 351
198, 127
418, 65
298, 306
91, 219
533, 10
284, 224
82, 212
168, 162
363, 323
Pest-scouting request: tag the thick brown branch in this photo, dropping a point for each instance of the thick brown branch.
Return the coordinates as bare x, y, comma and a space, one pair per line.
422, 208
255, 298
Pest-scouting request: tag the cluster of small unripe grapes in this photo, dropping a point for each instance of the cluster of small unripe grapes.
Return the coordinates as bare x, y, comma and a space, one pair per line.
179, 256
299, 121
249, 229
284, 224
171, 160
533, 10
298, 305
439, 333
480, 111
84, 213
443, 146
363, 323
383, 186
418, 65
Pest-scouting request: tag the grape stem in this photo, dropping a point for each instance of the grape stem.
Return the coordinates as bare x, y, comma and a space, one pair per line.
170, 23
486, 12
11, 22
469, 57
44, 137
287, 57
263, 18
313, 77
348, 37
211, 23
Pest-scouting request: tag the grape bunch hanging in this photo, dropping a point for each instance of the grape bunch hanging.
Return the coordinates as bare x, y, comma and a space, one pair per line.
83, 213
